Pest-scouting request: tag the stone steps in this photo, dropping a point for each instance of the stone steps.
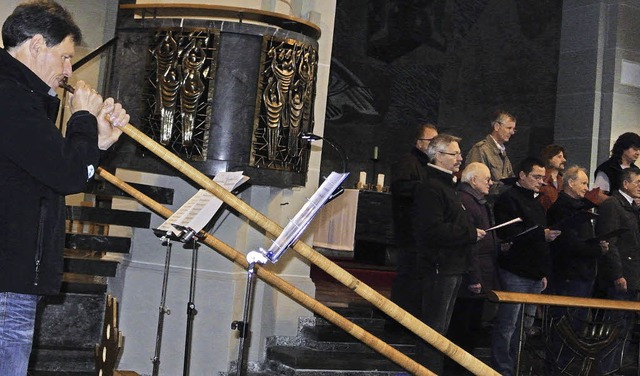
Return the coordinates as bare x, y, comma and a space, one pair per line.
70, 325
322, 349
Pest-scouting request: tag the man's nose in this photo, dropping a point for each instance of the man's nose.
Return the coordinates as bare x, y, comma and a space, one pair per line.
67, 70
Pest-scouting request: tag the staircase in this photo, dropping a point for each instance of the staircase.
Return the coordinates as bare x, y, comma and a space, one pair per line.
70, 325
322, 349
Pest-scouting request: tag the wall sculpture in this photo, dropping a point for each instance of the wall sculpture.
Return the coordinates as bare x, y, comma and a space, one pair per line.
181, 85
286, 92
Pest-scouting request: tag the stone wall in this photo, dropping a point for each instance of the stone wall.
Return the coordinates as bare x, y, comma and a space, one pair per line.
446, 61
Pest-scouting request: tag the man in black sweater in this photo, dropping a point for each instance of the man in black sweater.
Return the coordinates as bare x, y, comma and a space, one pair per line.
406, 174
525, 264
444, 235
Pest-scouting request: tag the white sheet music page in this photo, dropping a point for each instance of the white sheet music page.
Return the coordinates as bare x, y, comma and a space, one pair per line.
199, 209
299, 223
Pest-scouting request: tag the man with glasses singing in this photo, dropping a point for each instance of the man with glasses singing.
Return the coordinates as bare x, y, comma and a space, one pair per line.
492, 152
406, 174
444, 235
525, 264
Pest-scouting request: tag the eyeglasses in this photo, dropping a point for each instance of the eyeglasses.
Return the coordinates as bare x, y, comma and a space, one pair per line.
452, 154
425, 139
635, 182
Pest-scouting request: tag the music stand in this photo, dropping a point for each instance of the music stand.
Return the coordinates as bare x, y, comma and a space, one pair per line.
185, 225
328, 190
162, 309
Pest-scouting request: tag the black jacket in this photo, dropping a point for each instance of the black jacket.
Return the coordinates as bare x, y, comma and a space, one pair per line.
573, 256
483, 268
406, 174
623, 258
528, 257
39, 167
443, 231
612, 169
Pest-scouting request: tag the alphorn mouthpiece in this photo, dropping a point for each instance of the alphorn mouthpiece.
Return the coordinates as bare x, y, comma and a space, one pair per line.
65, 85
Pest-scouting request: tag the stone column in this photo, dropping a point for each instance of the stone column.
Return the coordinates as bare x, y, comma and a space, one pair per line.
597, 90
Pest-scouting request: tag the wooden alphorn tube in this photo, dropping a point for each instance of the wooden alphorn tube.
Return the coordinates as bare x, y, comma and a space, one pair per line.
422, 330
282, 285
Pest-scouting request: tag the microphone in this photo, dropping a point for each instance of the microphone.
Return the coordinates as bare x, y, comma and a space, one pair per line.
310, 137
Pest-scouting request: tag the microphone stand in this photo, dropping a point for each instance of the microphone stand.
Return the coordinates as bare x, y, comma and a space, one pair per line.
310, 137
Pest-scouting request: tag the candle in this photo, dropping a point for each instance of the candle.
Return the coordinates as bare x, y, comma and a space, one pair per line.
363, 178
380, 180
375, 152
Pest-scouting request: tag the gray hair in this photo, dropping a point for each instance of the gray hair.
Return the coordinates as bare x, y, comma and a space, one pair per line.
471, 171
438, 144
571, 174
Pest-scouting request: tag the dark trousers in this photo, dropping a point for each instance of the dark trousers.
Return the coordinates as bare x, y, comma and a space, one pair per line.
438, 300
404, 290
559, 357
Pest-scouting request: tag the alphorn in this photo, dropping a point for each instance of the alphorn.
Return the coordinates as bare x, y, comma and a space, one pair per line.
435, 339
288, 289
563, 301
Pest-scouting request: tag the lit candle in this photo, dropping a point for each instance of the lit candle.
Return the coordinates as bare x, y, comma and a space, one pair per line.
380, 180
375, 152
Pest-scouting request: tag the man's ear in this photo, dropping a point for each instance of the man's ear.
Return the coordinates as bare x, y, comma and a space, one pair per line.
37, 44
522, 175
436, 158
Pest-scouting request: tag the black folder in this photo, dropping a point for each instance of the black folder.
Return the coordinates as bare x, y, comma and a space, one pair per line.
574, 221
608, 235
520, 234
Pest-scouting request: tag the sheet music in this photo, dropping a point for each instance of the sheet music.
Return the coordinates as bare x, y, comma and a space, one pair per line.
507, 223
199, 209
299, 223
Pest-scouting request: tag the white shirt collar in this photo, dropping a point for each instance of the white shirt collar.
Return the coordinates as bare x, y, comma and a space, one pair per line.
629, 198
501, 147
535, 194
455, 179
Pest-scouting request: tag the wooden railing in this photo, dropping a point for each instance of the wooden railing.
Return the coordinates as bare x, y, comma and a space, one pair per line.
565, 301
555, 300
